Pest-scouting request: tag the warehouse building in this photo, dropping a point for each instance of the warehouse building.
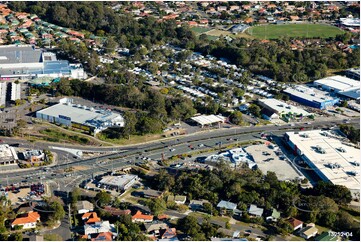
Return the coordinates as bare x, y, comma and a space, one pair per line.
311, 97
122, 183
8, 155
25, 61
3, 88
82, 117
336, 84
15, 91
332, 159
284, 111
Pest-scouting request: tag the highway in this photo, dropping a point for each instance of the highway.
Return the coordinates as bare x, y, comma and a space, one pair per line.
121, 156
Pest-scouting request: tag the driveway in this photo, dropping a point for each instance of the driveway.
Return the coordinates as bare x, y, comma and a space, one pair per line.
63, 230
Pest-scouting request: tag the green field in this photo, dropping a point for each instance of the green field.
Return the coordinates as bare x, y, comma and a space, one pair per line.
294, 30
200, 30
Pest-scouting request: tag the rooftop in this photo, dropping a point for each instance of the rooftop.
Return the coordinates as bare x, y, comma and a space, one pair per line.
208, 119
30, 217
118, 181
282, 107
339, 83
11, 54
227, 205
310, 94
335, 159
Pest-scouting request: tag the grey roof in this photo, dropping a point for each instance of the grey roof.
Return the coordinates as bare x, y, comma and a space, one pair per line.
228, 232
19, 54
254, 210
227, 205
155, 226
84, 205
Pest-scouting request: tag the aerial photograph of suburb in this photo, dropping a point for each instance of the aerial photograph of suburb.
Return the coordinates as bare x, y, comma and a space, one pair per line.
180, 120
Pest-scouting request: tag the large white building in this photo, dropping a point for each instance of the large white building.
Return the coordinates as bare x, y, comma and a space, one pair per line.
282, 108
7, 155
331, 158
15, 91
341, 85
123, 182
26, 61
79, 116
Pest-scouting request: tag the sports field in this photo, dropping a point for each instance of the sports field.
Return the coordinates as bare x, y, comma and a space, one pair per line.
294, 30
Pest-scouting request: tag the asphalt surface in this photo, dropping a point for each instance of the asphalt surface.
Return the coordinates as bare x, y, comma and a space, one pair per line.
126, 155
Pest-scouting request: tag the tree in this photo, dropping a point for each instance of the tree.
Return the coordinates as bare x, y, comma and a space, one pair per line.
58, 209
103, 198
344, 221
18, 236
255, 110
110, 45
189, 225
236, 117
157, 206
75, 195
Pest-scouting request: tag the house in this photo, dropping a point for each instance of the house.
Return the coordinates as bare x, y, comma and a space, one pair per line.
226, 205
90, 218
27, 221
169, 233
84, 207
248, 20
294, 18
116, 211
295, 223
139, 217
99, 227
197, 204
104, 236
229, 232
155, 227
177, 199
162, 216
149, 193
269, 114
274, 216
309, 231
255, 211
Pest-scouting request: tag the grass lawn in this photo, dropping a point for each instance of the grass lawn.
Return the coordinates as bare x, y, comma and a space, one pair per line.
59, 136
200, 30
134, 139
294, 30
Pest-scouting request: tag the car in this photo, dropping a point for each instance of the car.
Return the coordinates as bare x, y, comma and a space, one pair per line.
201, 145
171, 150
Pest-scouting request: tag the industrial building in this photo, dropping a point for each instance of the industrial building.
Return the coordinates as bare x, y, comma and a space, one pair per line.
26, 61
340, 85
332, 159
122, 183
81, 117
283, 110
8, 155
15, 89
311, 97
236, 157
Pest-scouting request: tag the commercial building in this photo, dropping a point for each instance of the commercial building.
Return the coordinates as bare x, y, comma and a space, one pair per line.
82, 117
350, 22
311, 97
25, 61
208, 119
236, 157
332, 159
123, 182
7, 155
340, 85
282, 109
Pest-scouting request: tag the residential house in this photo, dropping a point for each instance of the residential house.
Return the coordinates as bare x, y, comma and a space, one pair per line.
294, 18
229, 232
248, 20
255, 211
84, 207
269, 114
197, 204
222, 8
227, 206
177, 199
149, 193
116, 211
99, 227
309, 231
295, 223
27, 221
169, 233
162, 217
273, 216
140, 217
90, 218
104, 236
155, 228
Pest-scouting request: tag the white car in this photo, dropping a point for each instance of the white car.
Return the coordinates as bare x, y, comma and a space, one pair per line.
171, 150
201, 145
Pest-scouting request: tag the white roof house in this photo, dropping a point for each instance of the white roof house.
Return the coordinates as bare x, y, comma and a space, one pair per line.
99, 227
84, 207
280, 107
208, 119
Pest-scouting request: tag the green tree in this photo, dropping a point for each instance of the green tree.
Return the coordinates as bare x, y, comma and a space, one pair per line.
75, 195
103, 198
157, 206
18, 236
236, 117
255, 110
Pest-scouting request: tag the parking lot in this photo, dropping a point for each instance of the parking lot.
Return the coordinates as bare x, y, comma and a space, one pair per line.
267, 160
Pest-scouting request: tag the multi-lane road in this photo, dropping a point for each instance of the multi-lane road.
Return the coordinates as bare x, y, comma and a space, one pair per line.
120, 156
